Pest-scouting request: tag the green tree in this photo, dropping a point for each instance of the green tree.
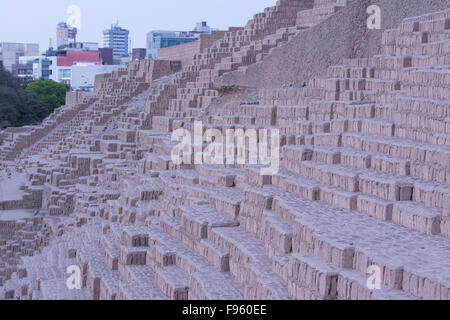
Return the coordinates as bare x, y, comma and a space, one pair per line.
19, 107
50, 92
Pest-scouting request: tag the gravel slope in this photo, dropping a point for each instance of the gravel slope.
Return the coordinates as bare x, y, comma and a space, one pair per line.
344, 35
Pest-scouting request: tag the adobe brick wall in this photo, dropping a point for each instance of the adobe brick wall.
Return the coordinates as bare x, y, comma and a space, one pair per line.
11, 205
99, 79
163, 68
7, 228
72, 98
185, 52
311, 53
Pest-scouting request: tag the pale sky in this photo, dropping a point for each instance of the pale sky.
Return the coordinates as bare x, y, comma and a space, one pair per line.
34, 21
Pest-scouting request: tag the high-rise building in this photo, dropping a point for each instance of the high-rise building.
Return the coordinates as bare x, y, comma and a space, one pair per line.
117, 39
65, 35
162, 39
11, 52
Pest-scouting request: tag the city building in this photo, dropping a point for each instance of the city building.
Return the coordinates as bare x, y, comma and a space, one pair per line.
139, 54
11, 52
23, 72
73, 57
86, 46
122, 61
65, 35
116, 38
44, 64
163, 39
106, 56
61, 62
202, 27
31, 68
32, 61
83, 75
159, 39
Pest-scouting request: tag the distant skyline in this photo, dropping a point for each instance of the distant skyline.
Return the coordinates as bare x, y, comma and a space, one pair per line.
34, 21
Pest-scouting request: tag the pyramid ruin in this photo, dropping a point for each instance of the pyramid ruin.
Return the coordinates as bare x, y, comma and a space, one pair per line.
362, 191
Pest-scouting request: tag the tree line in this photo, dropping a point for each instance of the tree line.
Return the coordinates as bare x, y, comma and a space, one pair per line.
29, 105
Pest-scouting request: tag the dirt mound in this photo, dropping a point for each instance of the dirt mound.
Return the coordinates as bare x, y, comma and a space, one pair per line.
344, 35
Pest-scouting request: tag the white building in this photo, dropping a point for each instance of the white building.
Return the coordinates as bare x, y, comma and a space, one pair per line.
11, 52
83, 75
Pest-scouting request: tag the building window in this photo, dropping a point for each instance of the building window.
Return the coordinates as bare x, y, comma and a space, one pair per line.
65, 74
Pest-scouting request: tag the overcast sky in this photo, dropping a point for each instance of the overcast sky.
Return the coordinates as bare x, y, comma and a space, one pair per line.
35, 20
